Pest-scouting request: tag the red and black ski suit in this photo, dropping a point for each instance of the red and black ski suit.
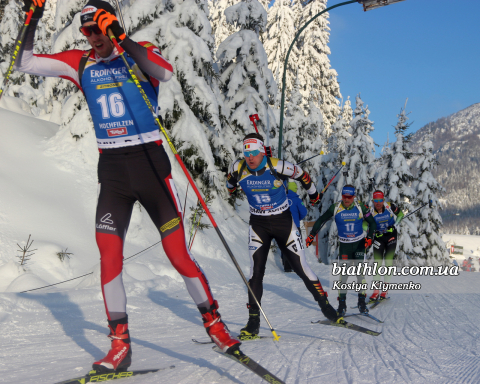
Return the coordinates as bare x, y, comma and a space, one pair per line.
133, 165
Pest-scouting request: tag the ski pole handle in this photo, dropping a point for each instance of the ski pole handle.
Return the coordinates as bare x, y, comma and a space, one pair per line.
253, 118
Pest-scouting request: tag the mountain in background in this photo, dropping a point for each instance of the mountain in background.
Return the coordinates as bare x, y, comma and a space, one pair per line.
456, 141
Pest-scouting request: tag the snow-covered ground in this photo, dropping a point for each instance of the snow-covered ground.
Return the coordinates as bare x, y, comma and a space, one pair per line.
48, 190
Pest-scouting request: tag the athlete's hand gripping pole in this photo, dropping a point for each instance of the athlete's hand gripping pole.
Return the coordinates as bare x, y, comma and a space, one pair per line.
121, 52
16, 49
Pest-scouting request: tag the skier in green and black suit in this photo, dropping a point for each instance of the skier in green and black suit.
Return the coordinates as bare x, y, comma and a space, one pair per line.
387, 215
349, 216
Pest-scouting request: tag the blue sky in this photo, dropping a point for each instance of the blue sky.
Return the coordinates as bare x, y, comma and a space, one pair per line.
426, 50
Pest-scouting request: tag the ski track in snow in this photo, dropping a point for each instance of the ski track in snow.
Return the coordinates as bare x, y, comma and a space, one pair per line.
53, 334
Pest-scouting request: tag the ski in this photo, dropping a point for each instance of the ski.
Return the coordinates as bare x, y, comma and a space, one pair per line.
249, 363
374, 303
378, 302
364, 315
238, 337
347, 325
94, 377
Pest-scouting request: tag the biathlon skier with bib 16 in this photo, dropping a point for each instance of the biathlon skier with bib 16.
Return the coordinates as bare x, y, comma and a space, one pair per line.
262, 179
133, 166
349, 215
386, 216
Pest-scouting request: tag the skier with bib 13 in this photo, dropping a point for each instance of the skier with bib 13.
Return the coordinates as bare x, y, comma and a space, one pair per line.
262, 179
133, 165
349, 215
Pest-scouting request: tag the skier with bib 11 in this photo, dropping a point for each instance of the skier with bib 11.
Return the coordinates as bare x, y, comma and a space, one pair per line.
133, 165
262, 179
386, 215
349, 215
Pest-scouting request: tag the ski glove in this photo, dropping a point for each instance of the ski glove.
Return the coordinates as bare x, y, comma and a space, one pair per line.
368, 243
315, 200
310, 240
106, 21
232, 190
39, 7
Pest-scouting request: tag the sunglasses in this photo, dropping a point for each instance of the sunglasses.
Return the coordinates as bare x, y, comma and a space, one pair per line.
378, 200
87, 31
347, 197
251, 153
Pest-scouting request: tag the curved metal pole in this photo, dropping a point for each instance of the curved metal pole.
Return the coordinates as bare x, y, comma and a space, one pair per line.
282, 105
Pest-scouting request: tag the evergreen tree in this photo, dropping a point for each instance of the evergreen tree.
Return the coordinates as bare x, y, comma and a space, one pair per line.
280, 33
359, 153
247, 84
396, 181
304, 139
314, 65
221, 29
347, 111
428, 189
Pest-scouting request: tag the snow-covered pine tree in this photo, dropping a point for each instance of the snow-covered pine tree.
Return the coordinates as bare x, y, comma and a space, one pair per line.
295, 127
280, 33
396, 180
429, 220
304, 139
359, 153
28, 89
220, 28
347, 111
314, 66
247, 84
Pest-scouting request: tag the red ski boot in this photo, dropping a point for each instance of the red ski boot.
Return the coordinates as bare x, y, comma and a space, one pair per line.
218, 331
119, 357
383, 296
374, 297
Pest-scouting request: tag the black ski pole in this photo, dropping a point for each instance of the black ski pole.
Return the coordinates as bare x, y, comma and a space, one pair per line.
310, 158
430, 204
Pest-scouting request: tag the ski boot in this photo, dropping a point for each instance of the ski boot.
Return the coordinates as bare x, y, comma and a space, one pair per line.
383, 296
251, 330
327, 310
217, 330
342, 304
119, 357
374, 297
362, 306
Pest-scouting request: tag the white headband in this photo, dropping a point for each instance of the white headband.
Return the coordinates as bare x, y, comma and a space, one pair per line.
252, 145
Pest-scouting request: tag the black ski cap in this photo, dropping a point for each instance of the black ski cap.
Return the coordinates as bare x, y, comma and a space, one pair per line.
91, 8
